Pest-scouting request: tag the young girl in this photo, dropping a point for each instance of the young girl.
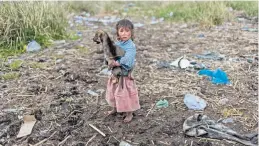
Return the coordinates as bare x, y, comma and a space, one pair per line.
123, 96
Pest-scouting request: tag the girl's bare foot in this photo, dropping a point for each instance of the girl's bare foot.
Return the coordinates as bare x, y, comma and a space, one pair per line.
128, 117
113, 111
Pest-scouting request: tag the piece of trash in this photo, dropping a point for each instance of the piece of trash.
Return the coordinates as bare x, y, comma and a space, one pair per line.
217, 77
10, 110
138, 24
87, 14
198, 66
228, 120
105, 72
100, 90
250, 60
124, 143
223, 101
181, 62
154, 21
171, 14
194, 102
163, 64
92, 93
28, 123
33, 46
210, 55
200, 125
249, 29
79, 34
201, 35
162, 103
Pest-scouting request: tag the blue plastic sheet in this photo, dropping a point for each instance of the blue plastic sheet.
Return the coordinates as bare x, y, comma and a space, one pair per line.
217, 77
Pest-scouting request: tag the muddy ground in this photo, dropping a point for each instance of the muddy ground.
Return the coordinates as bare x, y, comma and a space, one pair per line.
54, 82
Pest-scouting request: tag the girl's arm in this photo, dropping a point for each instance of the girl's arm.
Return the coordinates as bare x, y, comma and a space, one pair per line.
127, 61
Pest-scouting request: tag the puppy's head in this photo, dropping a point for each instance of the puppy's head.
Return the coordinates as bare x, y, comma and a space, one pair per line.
98, 38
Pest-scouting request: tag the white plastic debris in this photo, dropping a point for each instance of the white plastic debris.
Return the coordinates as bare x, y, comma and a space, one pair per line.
194, 102
181, 62
92, 93
33, 46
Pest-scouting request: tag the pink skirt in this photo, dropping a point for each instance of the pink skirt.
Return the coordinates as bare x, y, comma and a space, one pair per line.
124, 99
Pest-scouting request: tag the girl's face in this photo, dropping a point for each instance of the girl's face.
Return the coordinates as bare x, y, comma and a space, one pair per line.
124, 33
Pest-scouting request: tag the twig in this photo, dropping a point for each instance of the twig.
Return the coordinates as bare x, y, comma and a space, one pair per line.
150, 109
63, 141
91, 139
109, 128
25, 95
44, 140
58, 77
97, 130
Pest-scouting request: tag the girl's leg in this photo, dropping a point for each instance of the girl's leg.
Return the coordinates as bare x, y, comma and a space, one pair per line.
112, 111
129, 117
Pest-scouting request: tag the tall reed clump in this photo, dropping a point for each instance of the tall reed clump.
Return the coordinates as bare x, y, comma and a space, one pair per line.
23, 21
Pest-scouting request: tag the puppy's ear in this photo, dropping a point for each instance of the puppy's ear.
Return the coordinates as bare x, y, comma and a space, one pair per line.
97, 37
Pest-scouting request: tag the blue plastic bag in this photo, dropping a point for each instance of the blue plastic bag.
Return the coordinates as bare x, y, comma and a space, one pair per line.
217, 77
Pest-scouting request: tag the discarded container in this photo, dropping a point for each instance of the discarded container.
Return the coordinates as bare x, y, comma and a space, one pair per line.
162, 103
181, 62
33, 46
194, 102
217, 77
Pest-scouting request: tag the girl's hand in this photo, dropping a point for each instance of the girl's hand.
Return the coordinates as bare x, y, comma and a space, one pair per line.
113, 63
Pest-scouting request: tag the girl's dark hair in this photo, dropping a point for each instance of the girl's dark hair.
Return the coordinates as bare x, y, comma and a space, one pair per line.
125, 23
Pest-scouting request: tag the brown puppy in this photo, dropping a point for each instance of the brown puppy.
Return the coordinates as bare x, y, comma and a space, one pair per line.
111, 51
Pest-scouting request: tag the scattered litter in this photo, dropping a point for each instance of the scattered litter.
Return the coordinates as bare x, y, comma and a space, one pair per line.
181, 62
211, 55
217, 77
100, 90
79, 34
138, 24
194, 102
59, 60
105, 72
154, 21
223, 101
198, 66
92, 93
228, 120
171, 14
162, 103
33, 46
249, 29
124, 143
202, 126
11, 110
201, 35
163, 64
26, 128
